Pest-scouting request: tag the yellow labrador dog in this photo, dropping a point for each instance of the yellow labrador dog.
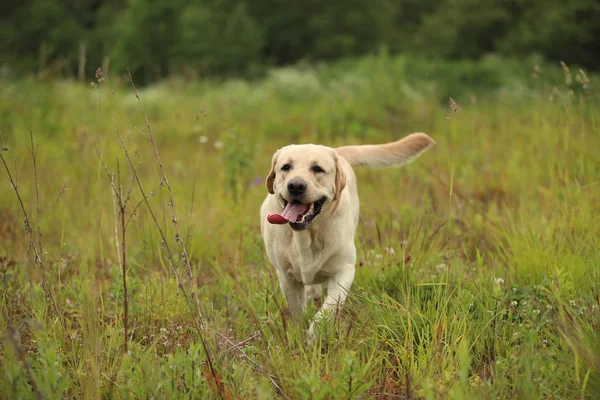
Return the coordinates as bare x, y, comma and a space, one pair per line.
309, 218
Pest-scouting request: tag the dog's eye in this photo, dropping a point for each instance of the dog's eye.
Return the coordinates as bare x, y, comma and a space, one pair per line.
316, 169
286, 167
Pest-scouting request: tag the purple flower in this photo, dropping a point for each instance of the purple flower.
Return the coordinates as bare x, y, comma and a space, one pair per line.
257, 181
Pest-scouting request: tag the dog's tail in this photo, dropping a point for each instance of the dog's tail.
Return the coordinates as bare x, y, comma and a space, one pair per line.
400, 152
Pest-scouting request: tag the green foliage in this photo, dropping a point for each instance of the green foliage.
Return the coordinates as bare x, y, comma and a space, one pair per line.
559, 30
216, 39
39, 34
147, 36
464, 28
478, 265
160, 38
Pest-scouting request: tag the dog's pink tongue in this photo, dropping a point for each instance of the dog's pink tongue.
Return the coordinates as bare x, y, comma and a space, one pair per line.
290, 213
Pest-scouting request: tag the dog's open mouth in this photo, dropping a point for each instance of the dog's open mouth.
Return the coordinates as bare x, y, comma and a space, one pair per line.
298, 215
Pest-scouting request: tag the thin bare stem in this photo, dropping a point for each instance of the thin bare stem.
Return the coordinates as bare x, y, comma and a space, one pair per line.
178, 237
195, 314
165, 180
122, 207
120, 201
37, 196
38, 260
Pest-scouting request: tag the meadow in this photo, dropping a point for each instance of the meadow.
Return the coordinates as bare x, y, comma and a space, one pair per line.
132, 265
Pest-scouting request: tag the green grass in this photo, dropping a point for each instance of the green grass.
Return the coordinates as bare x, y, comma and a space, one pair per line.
498, 299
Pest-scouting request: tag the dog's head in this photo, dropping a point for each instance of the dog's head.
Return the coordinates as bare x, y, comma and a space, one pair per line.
305, 179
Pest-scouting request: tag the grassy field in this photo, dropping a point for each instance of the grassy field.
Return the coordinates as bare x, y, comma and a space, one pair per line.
479, 272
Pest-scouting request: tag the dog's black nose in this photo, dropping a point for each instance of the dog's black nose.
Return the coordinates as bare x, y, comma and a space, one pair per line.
296, 187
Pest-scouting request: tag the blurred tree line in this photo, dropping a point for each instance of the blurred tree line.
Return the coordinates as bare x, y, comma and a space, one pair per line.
156, 38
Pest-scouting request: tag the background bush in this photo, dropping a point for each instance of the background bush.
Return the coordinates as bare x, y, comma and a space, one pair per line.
158, 38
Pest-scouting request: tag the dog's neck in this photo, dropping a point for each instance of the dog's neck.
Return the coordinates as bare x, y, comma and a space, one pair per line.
302, 239
311, 236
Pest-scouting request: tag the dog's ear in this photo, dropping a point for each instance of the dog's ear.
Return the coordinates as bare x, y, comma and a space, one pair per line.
271, 176
340, 177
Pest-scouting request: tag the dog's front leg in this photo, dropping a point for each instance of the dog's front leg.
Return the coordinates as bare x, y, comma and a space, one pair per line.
293, 291
312, 293
337, 290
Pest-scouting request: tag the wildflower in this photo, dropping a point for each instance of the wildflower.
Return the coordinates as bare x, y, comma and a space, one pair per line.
454, 105
568, 76
218, 144
536, 312
441, 267
583, 79
499, 281
514, 303
203, 139
572, 303
257, 181
99, 75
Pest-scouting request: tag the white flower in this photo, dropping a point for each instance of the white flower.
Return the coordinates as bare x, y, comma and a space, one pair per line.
441, 267
203, 139
218, 144
536, 312
499, 281
572, 303
514, 303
